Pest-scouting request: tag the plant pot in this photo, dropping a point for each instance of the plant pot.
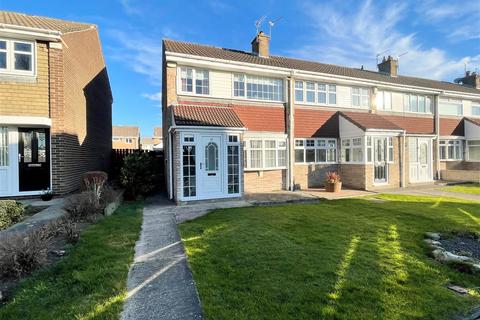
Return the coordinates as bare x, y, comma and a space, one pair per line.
46, 197
333, 187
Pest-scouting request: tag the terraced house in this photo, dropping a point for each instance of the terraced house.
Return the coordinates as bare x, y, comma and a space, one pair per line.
55, 104
237, 122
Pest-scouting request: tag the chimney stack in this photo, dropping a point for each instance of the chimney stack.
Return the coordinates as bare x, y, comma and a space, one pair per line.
471, 79
261, 45
389, 66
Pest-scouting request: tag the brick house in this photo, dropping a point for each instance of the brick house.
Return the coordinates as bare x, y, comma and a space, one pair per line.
237, 122
126, 137
55, 104
154, 142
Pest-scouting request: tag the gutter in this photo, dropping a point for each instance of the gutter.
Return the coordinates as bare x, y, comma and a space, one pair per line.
40, 34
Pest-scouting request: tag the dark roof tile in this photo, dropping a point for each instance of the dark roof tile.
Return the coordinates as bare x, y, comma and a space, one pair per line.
211, 116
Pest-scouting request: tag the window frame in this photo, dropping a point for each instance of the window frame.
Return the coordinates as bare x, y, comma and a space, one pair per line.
380, 97
194, 81
427, 100
450, 102
246, 77
476, 107
360, 95
10, 56
468, 145
445, 144
302, 144
247, 153
329, 91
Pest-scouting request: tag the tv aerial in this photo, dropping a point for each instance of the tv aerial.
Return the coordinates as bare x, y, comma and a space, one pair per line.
271, 24
258, 23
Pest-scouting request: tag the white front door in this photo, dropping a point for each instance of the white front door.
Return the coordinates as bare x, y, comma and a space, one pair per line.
211, 172
420, 157
380, 160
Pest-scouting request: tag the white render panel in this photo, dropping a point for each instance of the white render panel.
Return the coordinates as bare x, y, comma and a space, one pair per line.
467, 108
348, 129
472, 131
344, 98
220, 84
397, 101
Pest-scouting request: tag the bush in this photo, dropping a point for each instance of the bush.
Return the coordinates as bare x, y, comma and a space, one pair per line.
82, 206
10, 213
94, 181
21, 255
138, 174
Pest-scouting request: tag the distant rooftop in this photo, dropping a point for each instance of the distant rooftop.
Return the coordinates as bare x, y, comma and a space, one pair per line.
45, 23
305, 65
125, 131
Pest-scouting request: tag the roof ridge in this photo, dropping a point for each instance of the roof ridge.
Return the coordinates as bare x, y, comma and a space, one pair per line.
45, 17
202, 106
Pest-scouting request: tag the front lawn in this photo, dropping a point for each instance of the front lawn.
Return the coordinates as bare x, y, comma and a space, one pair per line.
343, 259
89, 283
472, 188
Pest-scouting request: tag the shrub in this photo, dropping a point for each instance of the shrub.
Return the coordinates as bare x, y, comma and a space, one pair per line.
332, 177
82, 206
138, 174
69, 230
94, 181
10, 213
21, 255
109, 195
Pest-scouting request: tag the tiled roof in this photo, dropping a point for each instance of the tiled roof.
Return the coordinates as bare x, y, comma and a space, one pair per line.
125, 131
365, 121
411, 124
474, 121
24, 20
452, 127
147, 140
157, 132
305, 65
315, 123
212, 116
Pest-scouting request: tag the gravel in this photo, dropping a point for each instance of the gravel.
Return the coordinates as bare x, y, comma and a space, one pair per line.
463, 246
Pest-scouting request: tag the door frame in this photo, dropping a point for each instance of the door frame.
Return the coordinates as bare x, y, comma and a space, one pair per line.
197, 135
385, 162
429, 141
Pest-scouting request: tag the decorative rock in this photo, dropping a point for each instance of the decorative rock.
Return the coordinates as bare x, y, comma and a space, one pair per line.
458, 289
445, 256
433, 235
433, 243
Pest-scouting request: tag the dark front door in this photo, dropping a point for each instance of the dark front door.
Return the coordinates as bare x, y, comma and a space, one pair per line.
34, 159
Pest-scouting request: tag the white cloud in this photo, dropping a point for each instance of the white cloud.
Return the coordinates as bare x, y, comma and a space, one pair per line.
157, 97
354, 35
130, 8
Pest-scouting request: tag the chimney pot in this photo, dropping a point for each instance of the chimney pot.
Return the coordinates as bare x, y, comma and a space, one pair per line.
261, 45
389, 66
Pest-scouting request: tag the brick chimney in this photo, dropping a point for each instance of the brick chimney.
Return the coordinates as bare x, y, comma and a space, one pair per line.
261, 45
388, 66
471, 79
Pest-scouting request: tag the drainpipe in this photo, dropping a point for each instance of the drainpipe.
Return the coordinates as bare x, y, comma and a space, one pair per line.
291, 135
402, 159
437, 133
170, 164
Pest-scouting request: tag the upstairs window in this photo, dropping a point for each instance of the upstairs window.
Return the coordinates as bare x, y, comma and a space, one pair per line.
450, 107
475, 110
17, 57
257, 88
384, 100
194, 81
298, 90
417, 103
360, 97
315, 92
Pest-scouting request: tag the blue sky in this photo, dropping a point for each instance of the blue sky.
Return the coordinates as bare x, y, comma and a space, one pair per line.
439, 36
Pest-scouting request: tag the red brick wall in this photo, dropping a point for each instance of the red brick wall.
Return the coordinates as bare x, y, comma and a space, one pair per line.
80, 101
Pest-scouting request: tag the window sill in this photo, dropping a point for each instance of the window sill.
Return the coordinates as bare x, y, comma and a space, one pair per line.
314, 163
18, 77
263, 169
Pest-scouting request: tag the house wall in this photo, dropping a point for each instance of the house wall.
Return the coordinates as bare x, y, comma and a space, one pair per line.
354, 175
311, 175
27, 96
122, 143
81, 111
264, 181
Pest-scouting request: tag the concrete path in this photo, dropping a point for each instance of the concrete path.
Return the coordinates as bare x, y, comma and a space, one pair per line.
433, 190
160, 284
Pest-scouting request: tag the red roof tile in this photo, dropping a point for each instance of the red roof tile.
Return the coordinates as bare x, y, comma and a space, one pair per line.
365, 120
212, 116
452, 127
255, 118
315, 123
412, 125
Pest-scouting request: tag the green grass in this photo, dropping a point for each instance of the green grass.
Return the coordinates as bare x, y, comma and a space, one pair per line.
90, 283
472, 188
343, 259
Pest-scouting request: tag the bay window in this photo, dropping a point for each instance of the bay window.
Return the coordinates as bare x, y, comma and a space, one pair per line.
17, 57
315, 93
265, 153
473, 147
451, 150
257, 87
360, 97
194, 81
417, 103
315, 150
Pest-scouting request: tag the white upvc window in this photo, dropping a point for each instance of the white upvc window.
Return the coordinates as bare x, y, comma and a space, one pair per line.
476, 110
258, 87
17, 57
265, 153
360, 97
298, 91
451, 150
310, 92
352, 150
195, 81
315, 93
473, 149
316, 150
3, 147
450, 107
417, 103
384, 100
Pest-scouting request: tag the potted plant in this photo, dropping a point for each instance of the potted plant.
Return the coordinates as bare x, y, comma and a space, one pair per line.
47, 195
333, 182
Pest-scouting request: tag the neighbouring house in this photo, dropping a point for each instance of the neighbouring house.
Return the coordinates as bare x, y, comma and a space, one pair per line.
55, 104
237, 122
125, 137
154, 143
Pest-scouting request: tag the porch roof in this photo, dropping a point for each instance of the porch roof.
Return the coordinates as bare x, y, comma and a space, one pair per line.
474, 121
366, 121
206, 116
